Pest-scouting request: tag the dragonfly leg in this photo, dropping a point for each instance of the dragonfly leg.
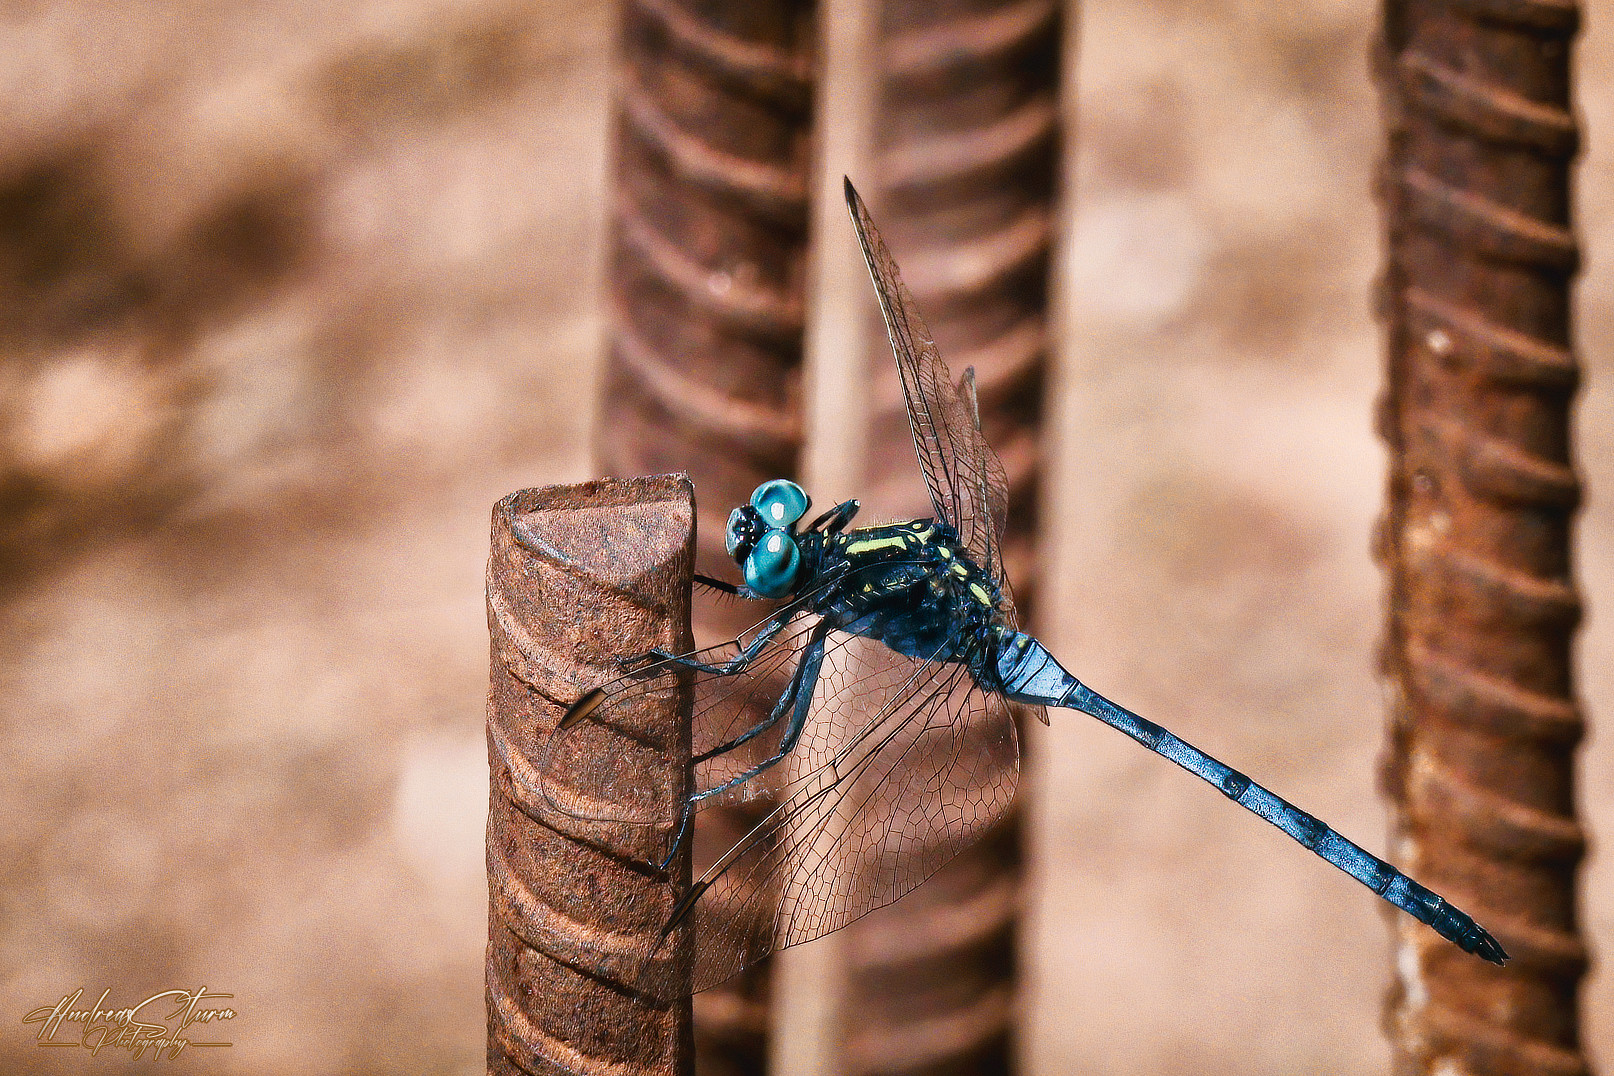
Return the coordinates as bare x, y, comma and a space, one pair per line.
717, 584
779, 707
804, 680
752, 733
797, 698
681, 836
733, 667
1030, 674
835, 520
656, 661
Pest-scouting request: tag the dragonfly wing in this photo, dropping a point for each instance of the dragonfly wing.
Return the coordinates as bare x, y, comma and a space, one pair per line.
968, 487
592, 767
903, 764
724, 708
986, 479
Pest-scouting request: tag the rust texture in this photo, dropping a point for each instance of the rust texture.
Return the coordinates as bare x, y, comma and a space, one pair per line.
578, 577
708, 250
707, 273
1475, 542
966, 146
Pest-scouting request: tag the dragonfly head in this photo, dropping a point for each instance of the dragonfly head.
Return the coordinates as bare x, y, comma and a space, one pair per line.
761, 537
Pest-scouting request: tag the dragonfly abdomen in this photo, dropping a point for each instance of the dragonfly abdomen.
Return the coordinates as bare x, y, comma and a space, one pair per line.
1030, 674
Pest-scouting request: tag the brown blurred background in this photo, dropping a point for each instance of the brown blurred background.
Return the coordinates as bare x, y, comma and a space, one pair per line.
290, 295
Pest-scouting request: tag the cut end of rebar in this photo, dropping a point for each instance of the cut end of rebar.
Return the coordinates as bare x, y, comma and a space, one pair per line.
581, 709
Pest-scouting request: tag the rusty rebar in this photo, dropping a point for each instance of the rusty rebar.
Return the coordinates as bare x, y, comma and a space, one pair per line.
707, 272
708, 249
1475, 542
580, 576
966, 171
966, 150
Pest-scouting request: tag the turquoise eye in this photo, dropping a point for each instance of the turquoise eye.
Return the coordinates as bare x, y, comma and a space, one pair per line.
781, 502
770, 570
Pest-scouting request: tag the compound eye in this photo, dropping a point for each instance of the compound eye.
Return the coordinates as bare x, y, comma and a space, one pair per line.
781, 502
771, 568
735, 538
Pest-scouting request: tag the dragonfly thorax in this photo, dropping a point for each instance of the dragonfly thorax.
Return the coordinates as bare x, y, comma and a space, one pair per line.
914, 587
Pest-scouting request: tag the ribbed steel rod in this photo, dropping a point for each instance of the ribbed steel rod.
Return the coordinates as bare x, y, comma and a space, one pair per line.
580, 576
707, 271
708, 249
966, 146
966, 160
1476, 539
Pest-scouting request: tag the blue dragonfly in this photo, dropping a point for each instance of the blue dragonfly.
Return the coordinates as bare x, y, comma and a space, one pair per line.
872, 704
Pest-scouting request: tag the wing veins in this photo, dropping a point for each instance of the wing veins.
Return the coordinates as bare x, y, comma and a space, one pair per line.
807, 795
966, 481
803, 781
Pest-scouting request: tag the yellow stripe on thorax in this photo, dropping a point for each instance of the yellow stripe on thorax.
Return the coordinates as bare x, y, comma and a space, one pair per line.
870, 545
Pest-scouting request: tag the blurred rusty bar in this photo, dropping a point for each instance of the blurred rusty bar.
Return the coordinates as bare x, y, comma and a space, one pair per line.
1475, 542
708, 250
578, 577
966, 149
966, 173
707, 271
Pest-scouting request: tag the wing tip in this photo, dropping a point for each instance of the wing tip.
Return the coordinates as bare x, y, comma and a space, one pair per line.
681, 910
852, 198
581, 709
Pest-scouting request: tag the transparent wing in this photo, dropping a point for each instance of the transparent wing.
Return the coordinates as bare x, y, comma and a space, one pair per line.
903, 764
968, 486
724, 707
598, 751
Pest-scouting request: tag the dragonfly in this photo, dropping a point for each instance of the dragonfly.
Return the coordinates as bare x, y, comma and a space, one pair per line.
869, 712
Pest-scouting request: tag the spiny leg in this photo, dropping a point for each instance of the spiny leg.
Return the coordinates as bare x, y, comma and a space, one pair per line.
640, 667
822, 790
798, 694
1030, 674
685, 816
717, 584
733, 667
798, 698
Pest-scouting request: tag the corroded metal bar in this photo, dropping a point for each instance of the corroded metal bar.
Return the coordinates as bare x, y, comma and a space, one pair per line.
966, 165
966, 172
708, 249
578, 577
707, 271
1475, 542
